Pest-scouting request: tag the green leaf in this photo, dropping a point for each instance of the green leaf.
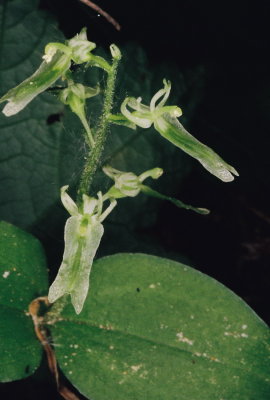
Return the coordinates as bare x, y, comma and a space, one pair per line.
156, 329
23, 277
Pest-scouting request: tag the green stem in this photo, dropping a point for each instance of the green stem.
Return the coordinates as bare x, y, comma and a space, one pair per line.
95, 153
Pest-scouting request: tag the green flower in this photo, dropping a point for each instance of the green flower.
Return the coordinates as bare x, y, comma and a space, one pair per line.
81, 47
57, 61
165, 120
74, 96
83, 233
127, 184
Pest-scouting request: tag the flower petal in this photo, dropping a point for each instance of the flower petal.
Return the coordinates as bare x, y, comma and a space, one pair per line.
89, 204
68, 203
81, 47
135, 117
153, 173
165, 92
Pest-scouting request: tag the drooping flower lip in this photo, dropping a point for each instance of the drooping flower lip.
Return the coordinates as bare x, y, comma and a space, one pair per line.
82, 238
42, 79
171, 129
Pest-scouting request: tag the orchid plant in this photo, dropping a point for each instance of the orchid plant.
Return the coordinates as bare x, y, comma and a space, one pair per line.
143, 326
84, 229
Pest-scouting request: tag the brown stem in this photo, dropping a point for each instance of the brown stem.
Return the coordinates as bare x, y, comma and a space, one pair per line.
99, 10
42, 336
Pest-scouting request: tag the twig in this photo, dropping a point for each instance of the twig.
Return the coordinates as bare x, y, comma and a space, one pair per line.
43, 338
99, 10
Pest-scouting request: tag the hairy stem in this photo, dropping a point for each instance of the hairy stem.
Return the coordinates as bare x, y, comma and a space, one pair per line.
94, 155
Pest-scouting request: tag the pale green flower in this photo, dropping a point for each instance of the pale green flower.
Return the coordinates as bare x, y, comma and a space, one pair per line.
127, 184
75, 96
57, 61
83, 233
165, 120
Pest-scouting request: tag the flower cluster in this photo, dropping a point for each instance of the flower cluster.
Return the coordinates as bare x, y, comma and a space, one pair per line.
84, 229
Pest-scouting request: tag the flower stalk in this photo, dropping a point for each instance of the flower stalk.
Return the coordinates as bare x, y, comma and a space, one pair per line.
94, 155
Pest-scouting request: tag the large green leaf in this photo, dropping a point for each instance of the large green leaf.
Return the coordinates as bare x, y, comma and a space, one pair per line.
23, 277
156, 329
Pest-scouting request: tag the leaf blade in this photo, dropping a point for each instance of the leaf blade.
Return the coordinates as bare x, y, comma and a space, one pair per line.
23, 277
179, 334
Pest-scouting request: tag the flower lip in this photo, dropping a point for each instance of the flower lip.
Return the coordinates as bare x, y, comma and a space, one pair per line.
171, 129
42, 79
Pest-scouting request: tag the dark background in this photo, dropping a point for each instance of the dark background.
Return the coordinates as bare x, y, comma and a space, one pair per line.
231, 43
